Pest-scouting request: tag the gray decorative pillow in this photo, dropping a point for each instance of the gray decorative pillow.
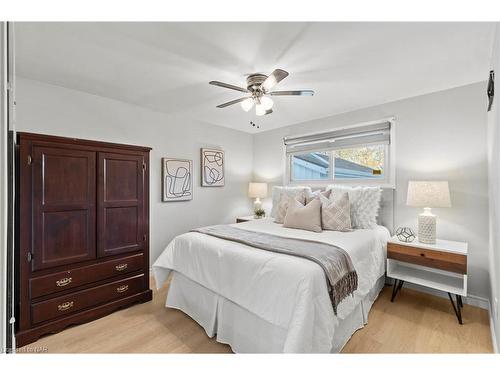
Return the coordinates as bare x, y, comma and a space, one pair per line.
290, 191
316, 194
336, 213
365, 203
282, 207
306, 217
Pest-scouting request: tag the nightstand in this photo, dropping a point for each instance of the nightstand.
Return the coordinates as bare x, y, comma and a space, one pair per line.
242, 219
441, 266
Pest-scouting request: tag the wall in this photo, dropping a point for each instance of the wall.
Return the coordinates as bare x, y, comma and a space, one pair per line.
494, 191
438, 136
42, 108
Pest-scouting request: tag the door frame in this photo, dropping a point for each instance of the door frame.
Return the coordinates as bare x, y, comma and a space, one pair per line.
7, 177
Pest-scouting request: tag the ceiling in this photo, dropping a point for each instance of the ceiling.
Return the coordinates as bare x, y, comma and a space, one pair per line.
167, 66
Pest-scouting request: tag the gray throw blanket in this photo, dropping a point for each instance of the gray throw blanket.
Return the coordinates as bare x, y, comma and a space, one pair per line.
340, 274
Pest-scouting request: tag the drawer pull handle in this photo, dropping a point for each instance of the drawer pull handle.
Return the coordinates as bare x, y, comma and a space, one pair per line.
64, 282
122, 288
121, 267
65, 306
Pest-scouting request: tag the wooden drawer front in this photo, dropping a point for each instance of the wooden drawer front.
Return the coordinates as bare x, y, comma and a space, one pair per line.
72, 302
430, 258
56, 282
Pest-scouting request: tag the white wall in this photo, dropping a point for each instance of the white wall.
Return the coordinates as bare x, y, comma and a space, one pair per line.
47, 109
438, 136
494, 190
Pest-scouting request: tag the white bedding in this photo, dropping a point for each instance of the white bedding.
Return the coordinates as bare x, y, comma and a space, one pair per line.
286, 291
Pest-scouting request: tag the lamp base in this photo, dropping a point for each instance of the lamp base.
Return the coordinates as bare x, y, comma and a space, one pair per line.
257, 204
427, 227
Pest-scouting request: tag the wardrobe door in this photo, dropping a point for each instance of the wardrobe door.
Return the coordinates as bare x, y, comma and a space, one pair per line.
63, 206
120, 197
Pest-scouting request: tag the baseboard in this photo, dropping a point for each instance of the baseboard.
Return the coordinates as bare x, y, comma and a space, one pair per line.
471, 300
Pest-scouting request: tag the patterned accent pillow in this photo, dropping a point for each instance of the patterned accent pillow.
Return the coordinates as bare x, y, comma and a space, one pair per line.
283, 206
365, 203
336, 213
306, 217
316, 194
290, 191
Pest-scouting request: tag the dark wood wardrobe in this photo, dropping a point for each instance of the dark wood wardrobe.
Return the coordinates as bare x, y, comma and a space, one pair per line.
83, 231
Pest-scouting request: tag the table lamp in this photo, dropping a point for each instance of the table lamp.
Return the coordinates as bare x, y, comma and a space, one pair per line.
257, 190
428, 194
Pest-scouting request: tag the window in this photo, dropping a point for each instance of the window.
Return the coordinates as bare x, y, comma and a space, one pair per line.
311, 166
360, 163
359, 154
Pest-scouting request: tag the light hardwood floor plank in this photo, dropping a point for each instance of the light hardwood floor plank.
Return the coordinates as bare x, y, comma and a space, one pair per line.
415, 323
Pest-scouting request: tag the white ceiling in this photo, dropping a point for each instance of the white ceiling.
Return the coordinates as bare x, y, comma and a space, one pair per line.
167, 66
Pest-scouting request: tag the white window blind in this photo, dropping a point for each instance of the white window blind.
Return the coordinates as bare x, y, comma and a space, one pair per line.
375, 133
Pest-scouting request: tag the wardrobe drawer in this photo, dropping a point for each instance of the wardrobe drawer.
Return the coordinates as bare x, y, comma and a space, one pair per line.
427, 257
60, 281
72, 302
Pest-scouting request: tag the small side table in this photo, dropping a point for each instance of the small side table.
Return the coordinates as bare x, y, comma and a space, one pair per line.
243, 219
441, 266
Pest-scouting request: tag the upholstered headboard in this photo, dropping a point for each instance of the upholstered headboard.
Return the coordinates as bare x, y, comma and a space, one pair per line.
386, 212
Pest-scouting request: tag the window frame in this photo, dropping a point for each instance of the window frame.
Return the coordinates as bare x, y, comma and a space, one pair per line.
389, 180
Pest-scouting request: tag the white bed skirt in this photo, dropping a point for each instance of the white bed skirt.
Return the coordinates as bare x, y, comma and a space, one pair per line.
244, 331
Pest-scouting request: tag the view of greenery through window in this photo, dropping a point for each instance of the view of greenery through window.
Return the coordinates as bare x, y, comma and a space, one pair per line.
354, 163
360, 162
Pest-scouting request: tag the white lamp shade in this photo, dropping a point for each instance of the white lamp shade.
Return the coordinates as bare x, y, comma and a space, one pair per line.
428, 194
260, 110
257, 190
266, 102
247, 104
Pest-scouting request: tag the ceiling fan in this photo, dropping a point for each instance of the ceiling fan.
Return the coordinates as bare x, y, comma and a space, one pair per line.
259, 88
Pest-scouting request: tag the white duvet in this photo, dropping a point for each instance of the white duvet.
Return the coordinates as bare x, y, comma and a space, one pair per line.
284, 290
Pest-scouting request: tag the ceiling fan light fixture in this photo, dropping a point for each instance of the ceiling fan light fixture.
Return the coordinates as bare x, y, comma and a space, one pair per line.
259, 89
247, 104
270, 82
260, 110
266, 102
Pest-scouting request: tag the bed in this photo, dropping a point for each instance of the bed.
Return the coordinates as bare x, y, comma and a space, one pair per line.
259, 301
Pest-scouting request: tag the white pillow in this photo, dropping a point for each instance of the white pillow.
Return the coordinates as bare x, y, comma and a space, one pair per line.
290, 191
364, 201
317, 194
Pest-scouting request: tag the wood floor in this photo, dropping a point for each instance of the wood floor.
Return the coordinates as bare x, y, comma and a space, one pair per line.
415, 323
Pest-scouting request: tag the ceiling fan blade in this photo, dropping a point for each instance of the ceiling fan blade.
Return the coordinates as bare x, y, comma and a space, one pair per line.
223, 105
293, 92
275, 77
268, 112
227, 86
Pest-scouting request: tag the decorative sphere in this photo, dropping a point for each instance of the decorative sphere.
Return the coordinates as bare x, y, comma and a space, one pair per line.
405, 234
